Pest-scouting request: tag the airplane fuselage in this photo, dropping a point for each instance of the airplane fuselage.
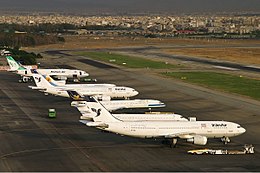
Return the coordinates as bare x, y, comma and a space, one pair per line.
113, 92
68, 73
86, 115
149, 129
121, 104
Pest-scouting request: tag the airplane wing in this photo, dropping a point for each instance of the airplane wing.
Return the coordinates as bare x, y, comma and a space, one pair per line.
37, 88
85, 121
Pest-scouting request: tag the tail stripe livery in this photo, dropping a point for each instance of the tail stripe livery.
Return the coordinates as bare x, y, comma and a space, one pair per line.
41, 81
13, 64
103, 115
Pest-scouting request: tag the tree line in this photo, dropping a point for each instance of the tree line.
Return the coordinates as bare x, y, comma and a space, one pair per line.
15, 35
27, 39
36, 29
22, 56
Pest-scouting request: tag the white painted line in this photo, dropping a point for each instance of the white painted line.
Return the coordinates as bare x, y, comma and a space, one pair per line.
226, 68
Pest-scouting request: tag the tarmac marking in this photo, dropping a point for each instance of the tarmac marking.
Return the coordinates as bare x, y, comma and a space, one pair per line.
225, 68
7, 165
71, 148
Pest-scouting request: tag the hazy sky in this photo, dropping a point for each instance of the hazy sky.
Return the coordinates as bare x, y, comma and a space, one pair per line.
131, 6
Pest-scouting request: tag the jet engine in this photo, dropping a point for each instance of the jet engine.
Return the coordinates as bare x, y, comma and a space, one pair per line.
64, 78
104, 98
198, 140
25, 79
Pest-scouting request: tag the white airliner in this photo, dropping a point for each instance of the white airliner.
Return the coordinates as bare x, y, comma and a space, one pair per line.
88, 114
63, 83
196, 132
58, 73
111, 105
101, 92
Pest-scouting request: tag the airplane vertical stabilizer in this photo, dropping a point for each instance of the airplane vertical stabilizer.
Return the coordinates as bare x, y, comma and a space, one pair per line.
54, 82
102, 114
13, 64
42, 81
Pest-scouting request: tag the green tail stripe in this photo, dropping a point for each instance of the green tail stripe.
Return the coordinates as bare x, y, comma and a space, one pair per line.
10, 58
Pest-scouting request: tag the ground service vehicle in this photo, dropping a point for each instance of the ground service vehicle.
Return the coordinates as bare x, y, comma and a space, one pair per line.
248, 149
52, 113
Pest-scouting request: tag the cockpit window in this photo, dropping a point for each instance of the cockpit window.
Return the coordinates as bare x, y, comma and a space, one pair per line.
238, 126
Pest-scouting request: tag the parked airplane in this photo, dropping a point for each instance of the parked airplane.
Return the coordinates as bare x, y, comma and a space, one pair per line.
4, 52
196, 132
111, 105
58, 73
63, 83
101, 92
88, 114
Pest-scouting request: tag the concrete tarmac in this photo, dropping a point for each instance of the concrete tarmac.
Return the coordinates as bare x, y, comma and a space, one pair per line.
30, 141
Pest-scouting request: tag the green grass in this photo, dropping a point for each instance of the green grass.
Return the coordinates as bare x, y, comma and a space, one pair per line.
128, 61
224, 82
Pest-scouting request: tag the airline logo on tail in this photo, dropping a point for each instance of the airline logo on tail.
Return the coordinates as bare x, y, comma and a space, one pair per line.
98, 112
75, 96
13, 64
48, 78
38, 79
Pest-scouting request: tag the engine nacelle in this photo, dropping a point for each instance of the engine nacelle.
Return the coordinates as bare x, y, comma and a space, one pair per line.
60, 82
25, 79
104, 98
198, 140
64, 78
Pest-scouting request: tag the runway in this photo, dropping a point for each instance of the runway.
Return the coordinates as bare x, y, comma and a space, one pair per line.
32, 142
154, 51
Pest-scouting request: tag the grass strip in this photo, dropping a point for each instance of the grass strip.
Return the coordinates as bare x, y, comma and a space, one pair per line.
220, 81
128, 61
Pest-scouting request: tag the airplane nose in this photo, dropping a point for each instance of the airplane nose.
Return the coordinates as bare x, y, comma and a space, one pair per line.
136, 93
162, 104
243, 130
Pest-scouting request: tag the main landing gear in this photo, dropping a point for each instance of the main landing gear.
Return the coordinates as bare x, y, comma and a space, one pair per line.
225, 140
173, 142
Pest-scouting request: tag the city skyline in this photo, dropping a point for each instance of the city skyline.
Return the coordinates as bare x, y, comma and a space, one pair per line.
130, 6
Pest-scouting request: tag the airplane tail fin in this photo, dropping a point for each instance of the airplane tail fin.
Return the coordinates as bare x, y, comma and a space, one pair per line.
86, 112
102, 114
13, 64
75, 95
55, 82
42, 81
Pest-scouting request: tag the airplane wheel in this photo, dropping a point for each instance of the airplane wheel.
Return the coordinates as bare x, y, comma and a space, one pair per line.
173, 143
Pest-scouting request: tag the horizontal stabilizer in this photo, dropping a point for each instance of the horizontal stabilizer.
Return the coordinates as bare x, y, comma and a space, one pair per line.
37, 88
83, 117
94, 124
84, 121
